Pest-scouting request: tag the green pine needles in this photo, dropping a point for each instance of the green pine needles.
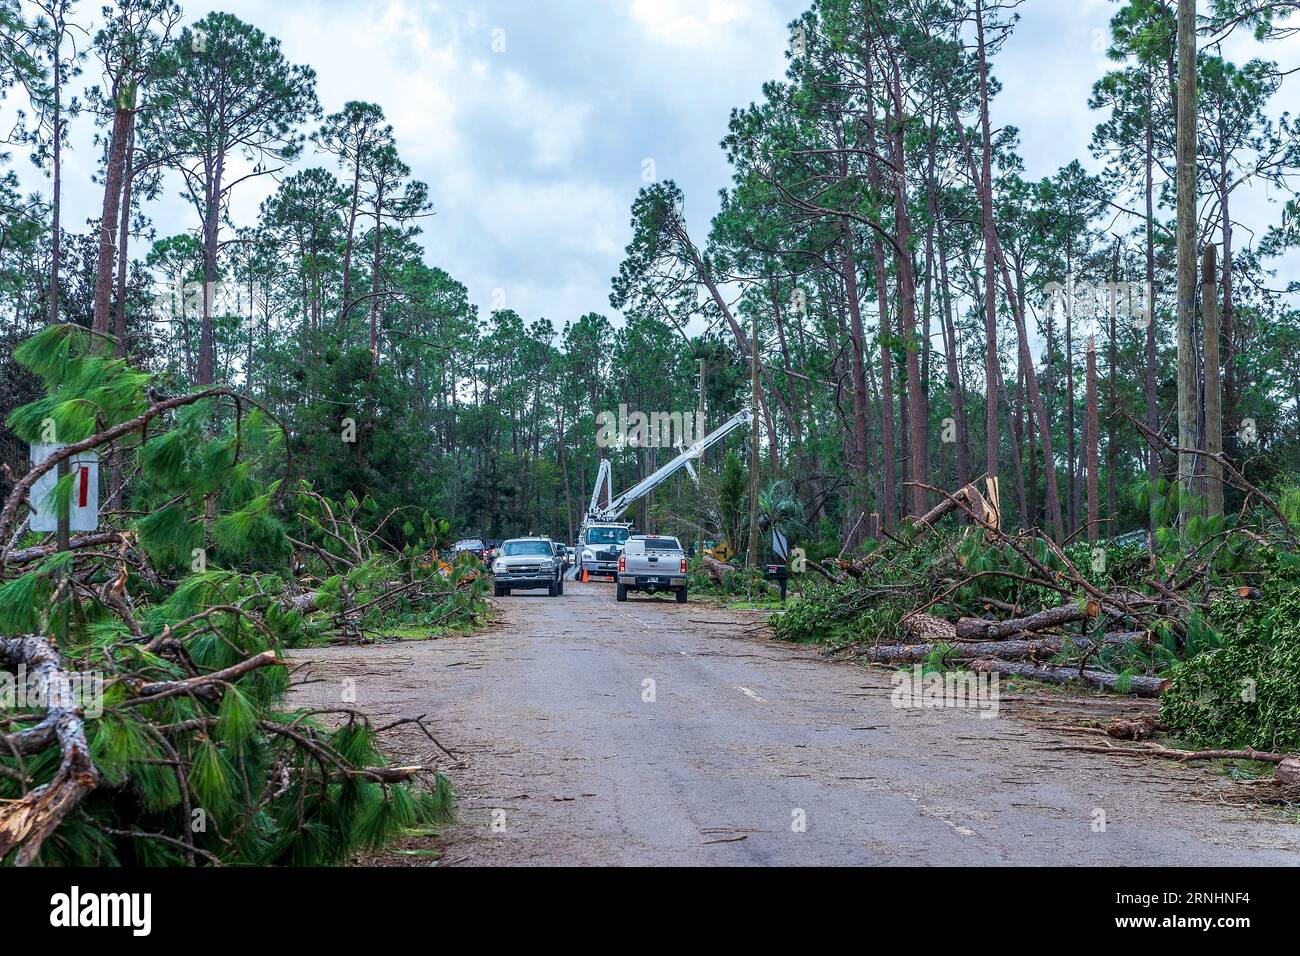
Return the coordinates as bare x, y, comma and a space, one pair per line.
203, 571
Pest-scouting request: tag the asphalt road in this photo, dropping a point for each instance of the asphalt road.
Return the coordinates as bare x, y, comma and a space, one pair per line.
592, 732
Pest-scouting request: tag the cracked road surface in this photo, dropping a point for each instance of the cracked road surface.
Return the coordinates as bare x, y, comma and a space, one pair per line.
563, 759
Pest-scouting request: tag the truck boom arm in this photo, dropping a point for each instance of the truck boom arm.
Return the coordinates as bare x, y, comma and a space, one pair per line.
602, 482
617, 506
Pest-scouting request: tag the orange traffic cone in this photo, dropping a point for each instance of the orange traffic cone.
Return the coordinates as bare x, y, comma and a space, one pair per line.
584, 575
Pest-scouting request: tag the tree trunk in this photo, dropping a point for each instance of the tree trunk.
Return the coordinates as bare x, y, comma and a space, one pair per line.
211, 233
114, 176
1104, 680
1112, 409
347, 246
1091, 441
1152, 397
977, 629
1213, 392
1071, 451
374, 280
1228, 316
916, 415
1002, 650
991, 435
886, 503
57, 183
123, 241
954, 369
1186, 197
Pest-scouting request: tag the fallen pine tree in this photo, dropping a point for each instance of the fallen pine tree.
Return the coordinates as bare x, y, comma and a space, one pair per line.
142, 673
1203, 618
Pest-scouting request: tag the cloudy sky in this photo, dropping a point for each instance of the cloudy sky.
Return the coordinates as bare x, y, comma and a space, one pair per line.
533, 121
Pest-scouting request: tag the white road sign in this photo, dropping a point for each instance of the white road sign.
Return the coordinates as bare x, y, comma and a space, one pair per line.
84, 513
780, 546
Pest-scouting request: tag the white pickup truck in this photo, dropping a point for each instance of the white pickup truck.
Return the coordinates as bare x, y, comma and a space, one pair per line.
650, 563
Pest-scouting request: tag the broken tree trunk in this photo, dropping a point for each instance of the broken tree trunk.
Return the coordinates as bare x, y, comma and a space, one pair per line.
25, 823
854, 569
969, 496
1141, 686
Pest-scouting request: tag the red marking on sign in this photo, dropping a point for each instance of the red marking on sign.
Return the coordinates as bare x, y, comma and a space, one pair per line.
84, 495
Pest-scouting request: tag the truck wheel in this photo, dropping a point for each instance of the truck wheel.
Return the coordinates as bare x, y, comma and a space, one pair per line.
550, 590
620, 592
559, 586
681, 595
500, 591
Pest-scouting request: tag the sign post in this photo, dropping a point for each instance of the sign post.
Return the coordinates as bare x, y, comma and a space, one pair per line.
81, 514
83, 506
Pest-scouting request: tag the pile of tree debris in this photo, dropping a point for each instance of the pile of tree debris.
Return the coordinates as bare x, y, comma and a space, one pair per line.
1118, 618
142, 666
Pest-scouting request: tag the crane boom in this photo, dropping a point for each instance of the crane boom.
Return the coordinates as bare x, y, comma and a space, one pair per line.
602, 481
616, 506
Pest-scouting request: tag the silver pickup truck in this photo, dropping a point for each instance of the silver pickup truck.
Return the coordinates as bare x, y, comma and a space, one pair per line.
650, 563
524, 563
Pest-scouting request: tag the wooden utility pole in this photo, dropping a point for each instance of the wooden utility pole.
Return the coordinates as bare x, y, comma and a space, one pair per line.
1213, 388
1186, 186
704, 409
752, 558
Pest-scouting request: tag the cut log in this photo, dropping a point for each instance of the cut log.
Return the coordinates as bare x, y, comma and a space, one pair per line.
718, 571
1288, 771
978, 629
1140, 686
1004, 650
927, 628
714, 568
1122, 728
306, 602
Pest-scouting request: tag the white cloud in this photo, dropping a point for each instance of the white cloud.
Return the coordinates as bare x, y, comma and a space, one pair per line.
689, 23
533, 156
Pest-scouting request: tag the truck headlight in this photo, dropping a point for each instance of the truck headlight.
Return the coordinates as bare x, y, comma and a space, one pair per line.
498, 566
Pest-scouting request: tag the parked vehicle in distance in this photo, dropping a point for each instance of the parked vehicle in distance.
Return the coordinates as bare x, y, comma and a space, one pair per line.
562, 554
474, 546
650, 563
527, 563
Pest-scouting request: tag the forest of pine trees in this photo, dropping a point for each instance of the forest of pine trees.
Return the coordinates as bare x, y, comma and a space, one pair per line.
879, 229
927, 315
